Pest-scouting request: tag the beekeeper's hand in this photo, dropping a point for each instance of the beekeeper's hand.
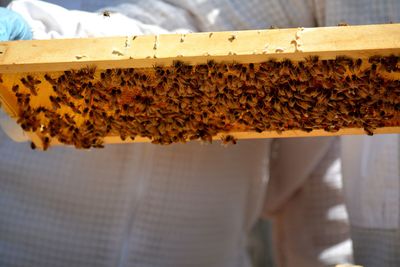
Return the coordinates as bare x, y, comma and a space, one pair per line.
13, 26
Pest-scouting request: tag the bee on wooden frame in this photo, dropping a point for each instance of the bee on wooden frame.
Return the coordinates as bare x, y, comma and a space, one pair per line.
228, 139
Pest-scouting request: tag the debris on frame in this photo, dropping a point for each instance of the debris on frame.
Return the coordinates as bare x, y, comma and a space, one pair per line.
117, 52
155, 42
183, 36
189, 102
232, 38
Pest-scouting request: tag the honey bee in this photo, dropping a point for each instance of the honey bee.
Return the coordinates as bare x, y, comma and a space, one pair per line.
69, 119
74, 108
374, 60
368, 130
50, 80
46, 143
15, 88
55, 102
33, 146
228, 139
30, 83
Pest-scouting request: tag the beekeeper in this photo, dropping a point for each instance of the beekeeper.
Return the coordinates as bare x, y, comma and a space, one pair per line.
178, 205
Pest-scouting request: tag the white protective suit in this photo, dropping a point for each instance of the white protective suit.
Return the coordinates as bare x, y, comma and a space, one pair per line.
180, 205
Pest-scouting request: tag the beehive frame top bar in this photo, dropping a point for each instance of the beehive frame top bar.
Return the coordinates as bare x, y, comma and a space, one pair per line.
193, 48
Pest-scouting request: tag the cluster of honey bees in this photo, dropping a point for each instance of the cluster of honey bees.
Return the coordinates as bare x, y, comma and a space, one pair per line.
189, 102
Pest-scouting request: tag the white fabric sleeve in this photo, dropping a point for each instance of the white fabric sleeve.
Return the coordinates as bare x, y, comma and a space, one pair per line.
50, 21
311, 226
371, 180
294, 160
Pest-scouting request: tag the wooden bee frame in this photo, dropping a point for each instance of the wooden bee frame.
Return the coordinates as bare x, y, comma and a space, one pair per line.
21, 58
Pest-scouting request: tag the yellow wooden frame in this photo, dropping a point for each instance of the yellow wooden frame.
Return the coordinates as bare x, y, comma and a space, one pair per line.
19, 57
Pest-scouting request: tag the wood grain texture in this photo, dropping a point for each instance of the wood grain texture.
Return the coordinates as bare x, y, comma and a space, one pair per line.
247, 46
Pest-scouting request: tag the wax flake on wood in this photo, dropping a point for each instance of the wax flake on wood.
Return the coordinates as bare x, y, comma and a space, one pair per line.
117, 52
